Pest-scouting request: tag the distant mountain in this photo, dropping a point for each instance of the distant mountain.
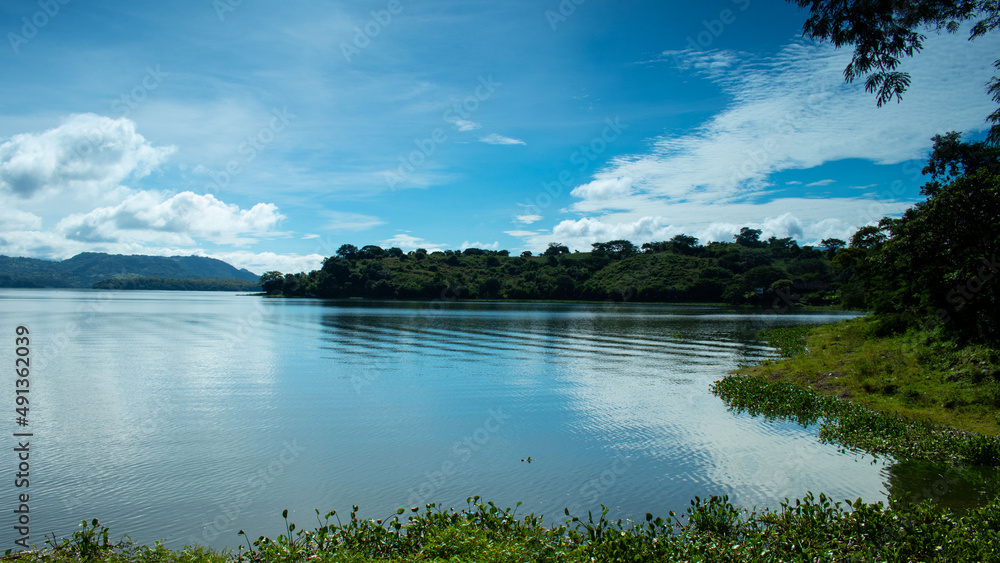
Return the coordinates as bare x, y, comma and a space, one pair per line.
87, 268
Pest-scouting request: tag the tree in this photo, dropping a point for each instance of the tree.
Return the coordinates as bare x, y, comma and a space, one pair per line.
348, 251
883, 31
943, 254
291, 284
490, 288
526, 254
616, 248
832, 245
938, 261
271, 281
371, 251
683, 243
749, 238
555, 249
338, 268
952, 158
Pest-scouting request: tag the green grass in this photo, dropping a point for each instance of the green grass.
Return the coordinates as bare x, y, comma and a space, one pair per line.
914, 375
712, 529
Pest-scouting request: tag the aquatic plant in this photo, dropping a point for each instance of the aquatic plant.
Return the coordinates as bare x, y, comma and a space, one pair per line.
855, 427
711, 529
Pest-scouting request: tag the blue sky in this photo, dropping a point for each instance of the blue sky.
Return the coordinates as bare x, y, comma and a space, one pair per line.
269, 134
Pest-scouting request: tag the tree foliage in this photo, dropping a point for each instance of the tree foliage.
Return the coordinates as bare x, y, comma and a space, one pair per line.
884, 31
679, 270
937, 264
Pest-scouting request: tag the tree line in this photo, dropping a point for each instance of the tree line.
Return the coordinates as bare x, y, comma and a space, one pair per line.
747, 270
173, 284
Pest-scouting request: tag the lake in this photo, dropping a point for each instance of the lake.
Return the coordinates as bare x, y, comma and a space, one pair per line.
189, 416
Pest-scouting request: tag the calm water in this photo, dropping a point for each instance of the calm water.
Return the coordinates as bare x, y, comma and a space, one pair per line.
189, 416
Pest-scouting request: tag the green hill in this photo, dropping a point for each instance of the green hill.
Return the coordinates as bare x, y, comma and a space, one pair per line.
88, 268
776, 273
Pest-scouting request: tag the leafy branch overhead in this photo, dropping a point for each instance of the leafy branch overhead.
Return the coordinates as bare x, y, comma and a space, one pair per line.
884, 31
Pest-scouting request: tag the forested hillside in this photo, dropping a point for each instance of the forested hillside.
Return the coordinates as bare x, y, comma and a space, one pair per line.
773, 272
172, 284
88, 268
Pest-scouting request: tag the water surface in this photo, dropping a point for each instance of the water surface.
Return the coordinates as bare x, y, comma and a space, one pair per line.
189, 416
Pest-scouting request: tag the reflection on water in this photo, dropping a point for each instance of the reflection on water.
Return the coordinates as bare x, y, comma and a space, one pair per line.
190, 416
942, 484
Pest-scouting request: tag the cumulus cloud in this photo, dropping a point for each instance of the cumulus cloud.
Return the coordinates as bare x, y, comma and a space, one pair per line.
260, 262
16, 220
409, 242
152, 217
496, 139
528, 219
604, 189
84, 156
809, 221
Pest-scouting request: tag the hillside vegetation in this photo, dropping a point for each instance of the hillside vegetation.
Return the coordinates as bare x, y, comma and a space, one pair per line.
771, 273
87, 268
170, 284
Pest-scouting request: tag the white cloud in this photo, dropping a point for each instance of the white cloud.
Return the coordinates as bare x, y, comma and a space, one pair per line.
793, 111
528, 219
154, 218
711, 62
15, 220
309, 237
86, 156
346, 221
786, 225
464, 124
409, 242
260, 262
806, 220
604, 189
789, 112
467, 244
496, 139
820, 183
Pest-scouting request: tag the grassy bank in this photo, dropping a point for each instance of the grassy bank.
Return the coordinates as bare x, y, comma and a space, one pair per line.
914, 375
906, 396
810, 529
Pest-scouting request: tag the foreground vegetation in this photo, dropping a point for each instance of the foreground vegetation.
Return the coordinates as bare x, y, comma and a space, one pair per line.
810, 529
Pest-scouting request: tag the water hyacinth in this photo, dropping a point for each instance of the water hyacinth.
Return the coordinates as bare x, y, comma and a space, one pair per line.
854, 427
711, 529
